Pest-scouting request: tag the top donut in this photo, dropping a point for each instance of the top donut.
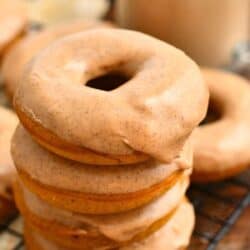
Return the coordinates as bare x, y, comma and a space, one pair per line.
150, 115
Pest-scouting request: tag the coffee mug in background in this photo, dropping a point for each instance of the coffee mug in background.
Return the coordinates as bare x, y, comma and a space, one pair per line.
207, 30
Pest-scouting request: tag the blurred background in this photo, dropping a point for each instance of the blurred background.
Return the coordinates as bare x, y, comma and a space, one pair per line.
214, 33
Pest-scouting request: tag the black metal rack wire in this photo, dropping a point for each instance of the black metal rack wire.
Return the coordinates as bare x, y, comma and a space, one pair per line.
217, 207
11, 237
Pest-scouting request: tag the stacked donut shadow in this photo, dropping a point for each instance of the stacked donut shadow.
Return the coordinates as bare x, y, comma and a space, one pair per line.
96, 169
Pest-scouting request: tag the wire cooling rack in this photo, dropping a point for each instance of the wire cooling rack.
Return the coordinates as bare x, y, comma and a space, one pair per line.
217, 207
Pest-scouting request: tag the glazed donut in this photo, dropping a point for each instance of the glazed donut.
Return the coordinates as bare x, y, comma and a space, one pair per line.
151, 115
98, 231
222, 147
93, 189
12, 23
8, 123
174, 235
26, 48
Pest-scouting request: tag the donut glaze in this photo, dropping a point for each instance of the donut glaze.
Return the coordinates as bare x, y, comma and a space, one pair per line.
119, 229
151, 113
13, 21
174, 235
222, 148
8, 123
26, 48
105, 189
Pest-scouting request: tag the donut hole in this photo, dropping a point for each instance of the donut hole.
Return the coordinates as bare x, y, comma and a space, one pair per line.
108, 82
213, 113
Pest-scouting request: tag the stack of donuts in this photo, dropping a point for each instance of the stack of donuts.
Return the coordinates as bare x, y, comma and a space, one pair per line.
103, 151
108, 119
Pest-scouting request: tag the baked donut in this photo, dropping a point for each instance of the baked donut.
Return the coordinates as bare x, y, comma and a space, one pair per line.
174, 235
12, 23
93, 189
26, 48
98, 231
222, 147
151, 115
8, 123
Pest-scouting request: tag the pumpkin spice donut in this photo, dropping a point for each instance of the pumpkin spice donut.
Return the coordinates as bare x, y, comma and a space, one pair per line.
222, 147
174, 235
98, 231
8, 123
12, 23
113, 124
26, 48
94, 189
